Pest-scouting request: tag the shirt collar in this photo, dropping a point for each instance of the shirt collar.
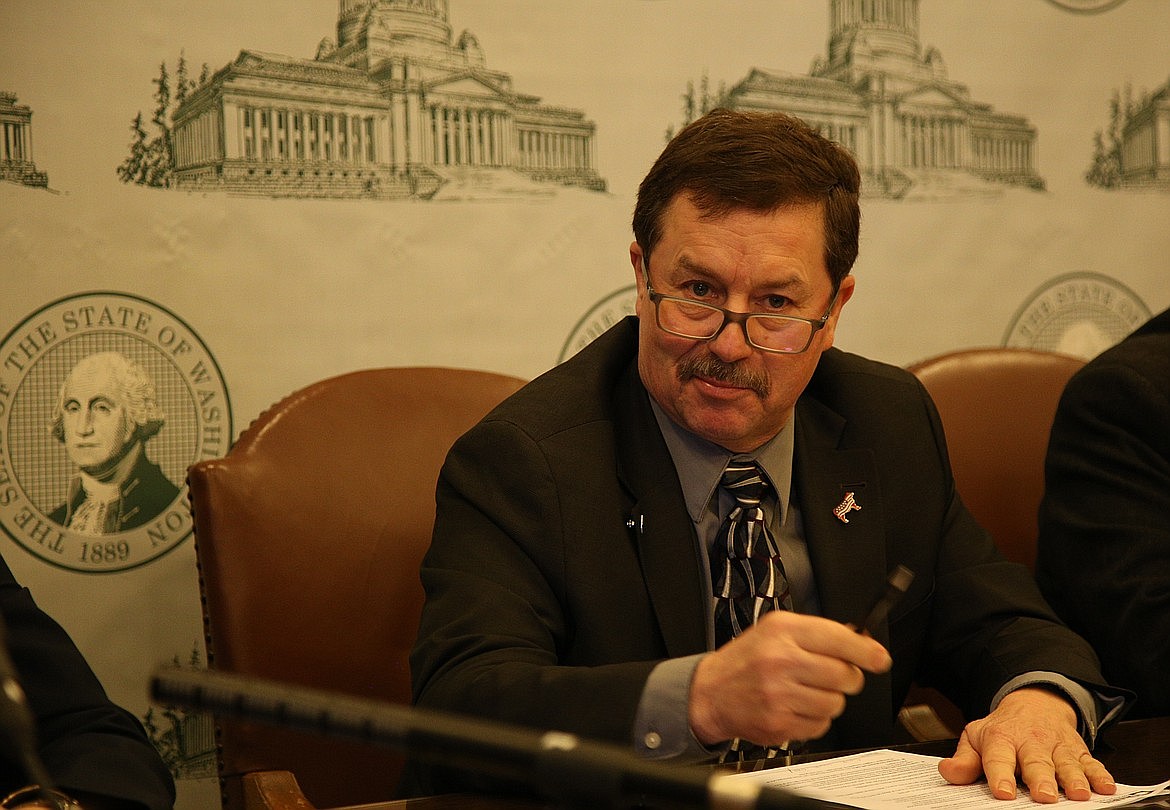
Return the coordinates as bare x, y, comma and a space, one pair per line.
700, 463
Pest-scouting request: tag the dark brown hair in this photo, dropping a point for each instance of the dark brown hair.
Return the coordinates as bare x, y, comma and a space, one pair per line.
758, 161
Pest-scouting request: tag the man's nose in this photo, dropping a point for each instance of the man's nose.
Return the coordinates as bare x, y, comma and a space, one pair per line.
730, 343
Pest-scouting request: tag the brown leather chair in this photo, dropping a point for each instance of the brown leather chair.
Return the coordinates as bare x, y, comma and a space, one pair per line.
997, 406
308, 536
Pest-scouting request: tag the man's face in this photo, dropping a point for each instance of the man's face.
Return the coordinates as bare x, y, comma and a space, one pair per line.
96, 426
724, 389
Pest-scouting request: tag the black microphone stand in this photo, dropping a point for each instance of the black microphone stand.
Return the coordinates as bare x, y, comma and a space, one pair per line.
562, 767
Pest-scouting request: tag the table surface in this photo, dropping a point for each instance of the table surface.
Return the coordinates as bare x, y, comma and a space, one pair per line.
1137, 752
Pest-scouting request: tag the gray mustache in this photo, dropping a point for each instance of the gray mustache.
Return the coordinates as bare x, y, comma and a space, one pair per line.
713, 368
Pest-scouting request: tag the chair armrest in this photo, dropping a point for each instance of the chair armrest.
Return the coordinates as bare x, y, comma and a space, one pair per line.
924, 724
273, 790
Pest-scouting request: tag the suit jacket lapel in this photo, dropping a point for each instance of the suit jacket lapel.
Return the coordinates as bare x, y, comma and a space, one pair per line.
846, 546
658, 521
845, 543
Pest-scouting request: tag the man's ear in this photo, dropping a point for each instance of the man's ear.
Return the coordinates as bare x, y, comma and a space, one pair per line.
844, 293
637, 260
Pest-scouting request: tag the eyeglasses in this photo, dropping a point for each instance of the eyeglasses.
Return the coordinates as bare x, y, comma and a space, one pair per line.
783, 334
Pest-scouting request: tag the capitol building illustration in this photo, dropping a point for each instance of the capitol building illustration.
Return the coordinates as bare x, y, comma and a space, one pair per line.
16, 156
1145, 143
396, 107
879, 94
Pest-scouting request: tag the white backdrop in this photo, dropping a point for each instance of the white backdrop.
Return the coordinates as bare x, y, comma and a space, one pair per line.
282, 292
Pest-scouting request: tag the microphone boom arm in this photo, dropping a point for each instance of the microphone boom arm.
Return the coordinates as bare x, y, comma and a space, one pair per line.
562, 767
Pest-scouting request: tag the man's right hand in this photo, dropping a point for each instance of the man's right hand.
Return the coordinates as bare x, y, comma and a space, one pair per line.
785, 678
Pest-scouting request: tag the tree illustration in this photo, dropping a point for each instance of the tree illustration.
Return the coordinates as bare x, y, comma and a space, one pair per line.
160, 161
182, 83
173, 731
164, 741
697, 104
133, 167
688, 100
151, 160
1105, 169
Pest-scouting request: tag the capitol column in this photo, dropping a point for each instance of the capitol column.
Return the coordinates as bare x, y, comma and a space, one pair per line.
415, 127
447, 123
501, 152
1161, 133
490, 135
465, 136
877, 130
506, 130
398, 131
473, 124
891, 153
233, 130
383, 153
427, 134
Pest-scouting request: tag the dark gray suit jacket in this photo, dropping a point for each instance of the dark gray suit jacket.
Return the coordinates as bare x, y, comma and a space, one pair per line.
1104, 554
86, 743
564, 568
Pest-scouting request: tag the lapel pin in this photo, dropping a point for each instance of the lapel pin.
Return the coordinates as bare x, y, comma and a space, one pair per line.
846, 506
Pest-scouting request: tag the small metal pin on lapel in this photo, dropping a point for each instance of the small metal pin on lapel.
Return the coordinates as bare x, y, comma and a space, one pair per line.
846, 506
640, 523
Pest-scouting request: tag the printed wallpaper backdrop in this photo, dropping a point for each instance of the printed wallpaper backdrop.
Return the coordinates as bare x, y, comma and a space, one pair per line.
243, 197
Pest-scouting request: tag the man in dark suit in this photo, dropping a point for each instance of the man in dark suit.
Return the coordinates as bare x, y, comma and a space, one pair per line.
1103, 559
568, 583
96, 752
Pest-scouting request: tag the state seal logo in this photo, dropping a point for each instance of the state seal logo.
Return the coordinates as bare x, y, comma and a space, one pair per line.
600, 317
105, 400
1086, 6
1080, 314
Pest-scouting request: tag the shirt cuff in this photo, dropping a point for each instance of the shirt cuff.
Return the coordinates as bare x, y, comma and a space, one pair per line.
1093, 709
661, 730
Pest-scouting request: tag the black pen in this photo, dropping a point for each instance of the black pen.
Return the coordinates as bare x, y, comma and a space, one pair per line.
896, 585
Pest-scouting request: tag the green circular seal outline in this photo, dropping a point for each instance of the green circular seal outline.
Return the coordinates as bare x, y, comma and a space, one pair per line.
598, 318
1085, 299
192, 392
1086, 6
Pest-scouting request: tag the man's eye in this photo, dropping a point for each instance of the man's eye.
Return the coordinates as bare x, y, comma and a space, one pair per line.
776, 302
698, 289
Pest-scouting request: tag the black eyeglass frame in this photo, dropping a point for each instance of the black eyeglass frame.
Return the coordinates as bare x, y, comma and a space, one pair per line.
741, 318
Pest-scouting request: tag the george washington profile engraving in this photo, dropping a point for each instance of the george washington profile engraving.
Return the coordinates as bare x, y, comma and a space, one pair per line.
106, 410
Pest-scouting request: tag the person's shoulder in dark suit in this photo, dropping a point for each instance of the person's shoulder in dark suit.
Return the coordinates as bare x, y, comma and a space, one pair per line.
1104, 547
92, 748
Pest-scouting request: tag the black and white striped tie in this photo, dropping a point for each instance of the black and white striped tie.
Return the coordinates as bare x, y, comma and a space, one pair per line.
747, 575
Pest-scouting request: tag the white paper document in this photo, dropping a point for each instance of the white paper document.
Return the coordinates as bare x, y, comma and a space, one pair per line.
896, 780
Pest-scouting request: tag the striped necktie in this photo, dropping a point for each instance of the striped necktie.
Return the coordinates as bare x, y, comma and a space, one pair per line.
747, 575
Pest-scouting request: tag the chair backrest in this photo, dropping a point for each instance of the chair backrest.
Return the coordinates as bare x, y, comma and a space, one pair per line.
997, 407
308, 536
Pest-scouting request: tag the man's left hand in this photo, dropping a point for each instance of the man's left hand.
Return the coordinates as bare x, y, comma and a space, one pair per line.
1033, 733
